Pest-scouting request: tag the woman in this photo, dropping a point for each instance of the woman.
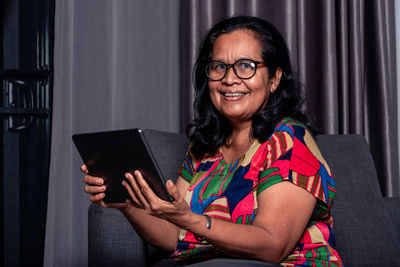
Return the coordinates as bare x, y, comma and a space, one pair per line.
253, 184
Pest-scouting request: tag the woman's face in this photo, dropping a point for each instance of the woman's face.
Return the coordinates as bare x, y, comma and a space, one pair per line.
239, 99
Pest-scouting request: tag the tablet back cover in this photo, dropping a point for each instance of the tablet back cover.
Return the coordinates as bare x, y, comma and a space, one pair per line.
111, 154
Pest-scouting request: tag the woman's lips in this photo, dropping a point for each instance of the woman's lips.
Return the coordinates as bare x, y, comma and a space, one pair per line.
233, 96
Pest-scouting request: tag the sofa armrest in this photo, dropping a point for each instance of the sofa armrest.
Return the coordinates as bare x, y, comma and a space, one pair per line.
112, 241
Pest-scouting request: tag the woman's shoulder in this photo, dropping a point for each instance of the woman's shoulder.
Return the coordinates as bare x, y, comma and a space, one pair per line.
293, 144
288, 130
293, 135
292, 127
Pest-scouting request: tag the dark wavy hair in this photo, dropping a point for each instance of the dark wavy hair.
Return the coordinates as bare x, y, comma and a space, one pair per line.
209, 129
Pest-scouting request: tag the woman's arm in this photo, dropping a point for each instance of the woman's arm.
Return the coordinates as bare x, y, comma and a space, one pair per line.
283, 213
284, 210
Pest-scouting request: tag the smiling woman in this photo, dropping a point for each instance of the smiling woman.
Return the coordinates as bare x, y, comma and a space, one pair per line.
238, 99
227, 44
253, 183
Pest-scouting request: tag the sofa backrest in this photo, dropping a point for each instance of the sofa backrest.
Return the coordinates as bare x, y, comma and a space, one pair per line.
168, 149
365, 232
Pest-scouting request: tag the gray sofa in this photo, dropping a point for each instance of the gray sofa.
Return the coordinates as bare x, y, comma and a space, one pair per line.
367, 225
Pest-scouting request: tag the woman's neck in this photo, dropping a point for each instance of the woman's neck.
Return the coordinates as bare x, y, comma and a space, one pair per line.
238, 143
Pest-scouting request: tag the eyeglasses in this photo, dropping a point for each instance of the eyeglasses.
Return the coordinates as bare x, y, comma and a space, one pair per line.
243, 68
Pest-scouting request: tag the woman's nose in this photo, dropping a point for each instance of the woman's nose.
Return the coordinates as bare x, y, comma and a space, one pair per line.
231, 76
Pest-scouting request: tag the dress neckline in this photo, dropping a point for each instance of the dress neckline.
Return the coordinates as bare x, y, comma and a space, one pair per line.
241, 158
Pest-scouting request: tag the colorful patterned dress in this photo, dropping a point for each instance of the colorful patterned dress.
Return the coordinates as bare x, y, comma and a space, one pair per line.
229, 192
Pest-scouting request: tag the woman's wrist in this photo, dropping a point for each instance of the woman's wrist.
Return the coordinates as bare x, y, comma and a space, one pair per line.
189, 220
208, 227
197, 224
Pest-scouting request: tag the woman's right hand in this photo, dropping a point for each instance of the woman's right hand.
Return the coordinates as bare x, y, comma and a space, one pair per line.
94, 186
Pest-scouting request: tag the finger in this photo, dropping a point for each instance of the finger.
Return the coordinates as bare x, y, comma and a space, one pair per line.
131, 194
173, 191
95, 189
157, 205
97, 198
91, 180
145, 188
137, 190
84, 169
102, 203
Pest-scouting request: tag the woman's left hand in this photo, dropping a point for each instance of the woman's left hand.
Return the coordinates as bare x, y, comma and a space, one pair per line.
143, 197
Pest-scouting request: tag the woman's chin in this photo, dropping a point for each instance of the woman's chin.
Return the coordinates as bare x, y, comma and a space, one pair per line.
237, 118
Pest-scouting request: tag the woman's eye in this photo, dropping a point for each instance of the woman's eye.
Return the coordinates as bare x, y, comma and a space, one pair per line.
245, 65
219, 66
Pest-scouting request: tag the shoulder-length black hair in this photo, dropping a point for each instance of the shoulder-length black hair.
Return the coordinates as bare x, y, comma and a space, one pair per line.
209, 129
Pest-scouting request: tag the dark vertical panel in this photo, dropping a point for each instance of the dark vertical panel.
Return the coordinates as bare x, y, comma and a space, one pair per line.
25, 112
10, 26
2, 13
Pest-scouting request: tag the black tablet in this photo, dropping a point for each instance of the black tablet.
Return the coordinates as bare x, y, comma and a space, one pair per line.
111, 154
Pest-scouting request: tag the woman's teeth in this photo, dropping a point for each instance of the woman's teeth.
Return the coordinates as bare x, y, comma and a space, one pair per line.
233, 94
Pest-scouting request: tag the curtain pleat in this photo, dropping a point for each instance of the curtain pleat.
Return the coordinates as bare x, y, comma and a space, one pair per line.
343, 66
343, 51
116, 65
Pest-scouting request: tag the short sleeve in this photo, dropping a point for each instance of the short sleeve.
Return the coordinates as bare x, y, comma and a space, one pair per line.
188, 167
293, 155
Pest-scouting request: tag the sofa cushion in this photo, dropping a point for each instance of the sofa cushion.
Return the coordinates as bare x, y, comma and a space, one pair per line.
365, 232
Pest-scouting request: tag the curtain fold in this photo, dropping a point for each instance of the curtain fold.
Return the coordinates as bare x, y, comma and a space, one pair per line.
343, 51
116, 66
56, 237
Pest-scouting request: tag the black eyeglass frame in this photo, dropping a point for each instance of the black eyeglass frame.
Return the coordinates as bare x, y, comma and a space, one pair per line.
227, 66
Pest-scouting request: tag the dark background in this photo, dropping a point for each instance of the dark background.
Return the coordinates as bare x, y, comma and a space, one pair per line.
25, 111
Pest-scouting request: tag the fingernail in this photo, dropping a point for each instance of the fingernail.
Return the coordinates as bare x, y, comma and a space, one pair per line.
99, 181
